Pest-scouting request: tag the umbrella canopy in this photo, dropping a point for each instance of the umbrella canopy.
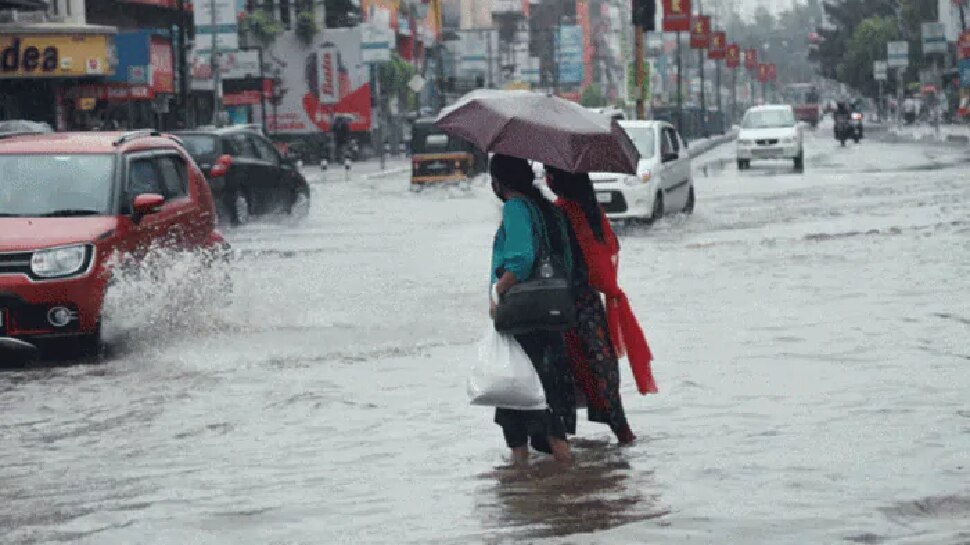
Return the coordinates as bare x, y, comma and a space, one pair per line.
24, 5
547, 129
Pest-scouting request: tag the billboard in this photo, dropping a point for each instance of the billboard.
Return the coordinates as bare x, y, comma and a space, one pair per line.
300, 109
700, 32
569, 46
676, 17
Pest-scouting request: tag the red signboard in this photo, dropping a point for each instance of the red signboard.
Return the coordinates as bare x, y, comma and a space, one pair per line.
676, 15
751, 59
160, 58
772, 72
733, 55
718, 48
963, 45
700, 32
762, 72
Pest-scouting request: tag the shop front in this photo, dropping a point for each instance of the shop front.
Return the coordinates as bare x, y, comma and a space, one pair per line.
138, 95
38, 61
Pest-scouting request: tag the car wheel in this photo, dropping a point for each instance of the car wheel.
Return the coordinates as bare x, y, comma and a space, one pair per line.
856, 139
91, 345
689, 207
741, 164
240, 209
658, 209
800, 162
300, 208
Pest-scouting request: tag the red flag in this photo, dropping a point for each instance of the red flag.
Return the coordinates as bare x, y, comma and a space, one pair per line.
676, 15
751, 59
772, 74
700, 32
763, 73
718, 49
733, 56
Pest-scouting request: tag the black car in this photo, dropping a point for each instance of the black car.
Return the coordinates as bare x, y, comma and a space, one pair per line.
247, 174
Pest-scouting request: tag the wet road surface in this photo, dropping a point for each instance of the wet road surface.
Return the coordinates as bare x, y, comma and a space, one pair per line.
812, 334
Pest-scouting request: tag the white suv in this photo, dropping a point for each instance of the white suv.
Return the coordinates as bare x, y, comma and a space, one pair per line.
662, 183
770, 132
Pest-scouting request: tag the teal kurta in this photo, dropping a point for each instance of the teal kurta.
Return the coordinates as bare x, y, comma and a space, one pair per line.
514, 248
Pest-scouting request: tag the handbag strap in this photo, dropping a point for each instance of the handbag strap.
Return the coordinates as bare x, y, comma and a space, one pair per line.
538, 219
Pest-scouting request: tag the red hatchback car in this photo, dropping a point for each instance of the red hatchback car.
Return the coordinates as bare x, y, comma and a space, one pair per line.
71, 201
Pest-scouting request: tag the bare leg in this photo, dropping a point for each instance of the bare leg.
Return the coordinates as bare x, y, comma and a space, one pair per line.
520, 456
561, 451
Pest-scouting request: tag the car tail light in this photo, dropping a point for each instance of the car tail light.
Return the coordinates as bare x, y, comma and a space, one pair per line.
856, 116
415, 164
221, 167
457, 165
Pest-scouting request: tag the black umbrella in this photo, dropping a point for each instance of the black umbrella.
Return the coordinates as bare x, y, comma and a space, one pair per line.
24, 5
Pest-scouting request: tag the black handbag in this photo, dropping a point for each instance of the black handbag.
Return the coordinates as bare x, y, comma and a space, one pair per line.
546, 300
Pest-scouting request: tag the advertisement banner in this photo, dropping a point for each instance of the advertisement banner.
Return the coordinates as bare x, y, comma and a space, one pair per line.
963, 45
583, 19
239, 64
162, 74
762, 72
733, 56
898, 53
569, 45
772, 72
700, 32
226, 29
676, 16
880, 70
964, 68
300, 110
751, 59
381, 13
56, 55
934, 38
718, 49
329, 86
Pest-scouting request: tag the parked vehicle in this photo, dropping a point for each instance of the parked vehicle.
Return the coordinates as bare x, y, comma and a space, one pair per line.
770, 132
663, 182
804, 98
438, 158
247, 174
68, 204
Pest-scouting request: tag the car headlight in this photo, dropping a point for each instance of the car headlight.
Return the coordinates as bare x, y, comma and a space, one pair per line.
788, 140
56, 262
631, 180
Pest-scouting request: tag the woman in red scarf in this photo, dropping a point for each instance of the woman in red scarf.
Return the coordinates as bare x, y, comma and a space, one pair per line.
603, 334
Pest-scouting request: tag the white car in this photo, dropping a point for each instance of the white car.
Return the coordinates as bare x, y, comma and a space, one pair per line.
770, 132
663, 182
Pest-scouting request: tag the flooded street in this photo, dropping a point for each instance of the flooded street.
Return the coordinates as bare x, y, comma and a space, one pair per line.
812, 336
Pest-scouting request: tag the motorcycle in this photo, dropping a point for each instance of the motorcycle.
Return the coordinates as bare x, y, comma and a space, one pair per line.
855, 126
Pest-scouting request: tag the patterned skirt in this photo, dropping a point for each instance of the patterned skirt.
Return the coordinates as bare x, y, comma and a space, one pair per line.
594, 363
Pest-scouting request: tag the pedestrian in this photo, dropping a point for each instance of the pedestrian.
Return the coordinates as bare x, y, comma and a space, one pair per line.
603, 333
513, 260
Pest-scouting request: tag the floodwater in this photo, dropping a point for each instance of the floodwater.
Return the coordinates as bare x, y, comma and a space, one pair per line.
812, 334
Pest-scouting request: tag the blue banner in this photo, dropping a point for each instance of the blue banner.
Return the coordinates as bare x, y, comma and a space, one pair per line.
964, 68
569, 50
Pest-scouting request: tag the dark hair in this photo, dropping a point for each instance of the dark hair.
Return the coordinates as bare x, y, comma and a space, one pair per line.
517, 175
578, 188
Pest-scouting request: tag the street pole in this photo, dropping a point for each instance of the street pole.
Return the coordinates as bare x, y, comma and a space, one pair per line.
700, 57
379, 122
638, 67
183, 64
216, 71
488, 56
734, 95
262, 95
680, 94
899, 96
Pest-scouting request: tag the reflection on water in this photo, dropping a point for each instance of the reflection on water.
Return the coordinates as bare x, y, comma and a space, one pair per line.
601, 491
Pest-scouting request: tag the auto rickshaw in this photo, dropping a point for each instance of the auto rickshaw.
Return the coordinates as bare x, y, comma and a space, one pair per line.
439, 158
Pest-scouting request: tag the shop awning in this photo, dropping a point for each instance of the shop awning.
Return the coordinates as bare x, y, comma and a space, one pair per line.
24, 5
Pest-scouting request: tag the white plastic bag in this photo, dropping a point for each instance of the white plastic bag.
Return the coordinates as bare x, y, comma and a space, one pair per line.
503, 376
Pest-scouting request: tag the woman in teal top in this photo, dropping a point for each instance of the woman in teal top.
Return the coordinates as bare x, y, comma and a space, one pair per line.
513, 258
514, 248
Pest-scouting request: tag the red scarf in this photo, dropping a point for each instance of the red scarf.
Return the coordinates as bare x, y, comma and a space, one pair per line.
602, 260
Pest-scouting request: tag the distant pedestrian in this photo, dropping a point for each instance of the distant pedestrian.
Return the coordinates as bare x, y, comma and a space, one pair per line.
513, 261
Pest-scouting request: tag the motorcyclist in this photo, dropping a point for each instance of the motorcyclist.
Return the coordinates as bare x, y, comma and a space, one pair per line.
842, 115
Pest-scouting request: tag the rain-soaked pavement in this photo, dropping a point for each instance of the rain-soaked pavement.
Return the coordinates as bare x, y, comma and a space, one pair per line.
813, 341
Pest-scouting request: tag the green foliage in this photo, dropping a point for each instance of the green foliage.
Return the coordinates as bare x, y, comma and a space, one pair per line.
867, 44
306, 26
592, 97
261, 26
395, 76
341, 13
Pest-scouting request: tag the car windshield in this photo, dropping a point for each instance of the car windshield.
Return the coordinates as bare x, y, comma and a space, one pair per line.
643, 139
55, 185
199, 145
768, 119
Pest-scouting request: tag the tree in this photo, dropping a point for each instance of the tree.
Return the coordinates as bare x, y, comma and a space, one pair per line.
868, 44
340, 13
843, 17
592, 97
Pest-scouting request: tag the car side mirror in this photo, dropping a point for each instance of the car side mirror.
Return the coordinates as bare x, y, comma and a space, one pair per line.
146, 204
670, 156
